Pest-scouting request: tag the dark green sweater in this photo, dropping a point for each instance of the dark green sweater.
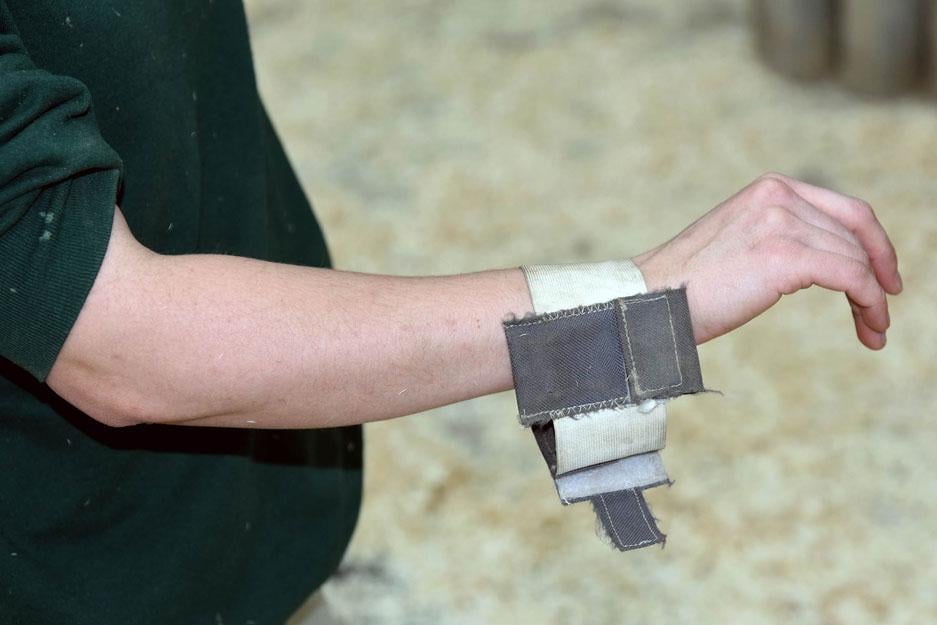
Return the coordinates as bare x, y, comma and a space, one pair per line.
162, 525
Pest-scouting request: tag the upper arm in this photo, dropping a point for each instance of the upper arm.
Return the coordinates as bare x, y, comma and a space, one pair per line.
88, 371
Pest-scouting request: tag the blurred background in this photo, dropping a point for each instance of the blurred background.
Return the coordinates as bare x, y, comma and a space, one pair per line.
441, 136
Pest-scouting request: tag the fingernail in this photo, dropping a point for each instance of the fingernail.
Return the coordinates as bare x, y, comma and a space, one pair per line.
884, 339
900, 282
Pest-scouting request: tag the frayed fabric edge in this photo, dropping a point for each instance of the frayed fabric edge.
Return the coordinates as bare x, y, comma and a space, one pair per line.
605, 524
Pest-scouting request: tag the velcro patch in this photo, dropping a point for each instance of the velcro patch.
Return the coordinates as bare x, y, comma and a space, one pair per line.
618, 353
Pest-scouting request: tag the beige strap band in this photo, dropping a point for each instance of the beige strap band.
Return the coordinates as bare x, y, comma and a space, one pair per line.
560, 287
609, 434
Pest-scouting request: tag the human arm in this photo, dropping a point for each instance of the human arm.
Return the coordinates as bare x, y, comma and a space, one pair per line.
227, 341
212, 340
143, 353
220, 340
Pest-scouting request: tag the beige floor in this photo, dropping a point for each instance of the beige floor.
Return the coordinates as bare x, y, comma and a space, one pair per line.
452, 136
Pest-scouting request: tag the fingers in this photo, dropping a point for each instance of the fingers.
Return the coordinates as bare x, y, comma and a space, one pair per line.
811, 214
850, 276
858, 218
867, 322
867, 336
821, 239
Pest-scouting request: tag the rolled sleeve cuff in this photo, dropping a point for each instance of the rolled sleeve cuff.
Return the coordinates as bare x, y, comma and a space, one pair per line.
52, 256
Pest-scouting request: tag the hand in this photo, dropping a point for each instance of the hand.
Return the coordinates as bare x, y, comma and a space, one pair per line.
774, 237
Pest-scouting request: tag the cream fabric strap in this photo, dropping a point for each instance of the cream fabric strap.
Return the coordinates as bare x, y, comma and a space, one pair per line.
606, 435
559, 287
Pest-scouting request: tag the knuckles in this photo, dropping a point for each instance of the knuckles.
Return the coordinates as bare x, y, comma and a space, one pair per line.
863, 208
771, 189
862, 211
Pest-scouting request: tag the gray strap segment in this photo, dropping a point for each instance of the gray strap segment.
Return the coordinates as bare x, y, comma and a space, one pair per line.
624, 515
627, 520
567, 363
545, 436
606, 355
659, 346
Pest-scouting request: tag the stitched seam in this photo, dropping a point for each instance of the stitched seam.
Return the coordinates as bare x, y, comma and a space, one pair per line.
673, 337
559, 413
611, 522
608, 515
562, 314
634, 491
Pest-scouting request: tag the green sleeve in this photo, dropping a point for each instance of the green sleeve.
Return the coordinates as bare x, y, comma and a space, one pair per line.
58, 187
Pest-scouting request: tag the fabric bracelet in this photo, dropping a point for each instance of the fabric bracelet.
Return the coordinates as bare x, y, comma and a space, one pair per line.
607, 355
558, 287
596, 362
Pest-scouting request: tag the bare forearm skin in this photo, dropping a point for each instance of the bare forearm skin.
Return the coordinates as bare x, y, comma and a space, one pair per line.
223, 341
226, 341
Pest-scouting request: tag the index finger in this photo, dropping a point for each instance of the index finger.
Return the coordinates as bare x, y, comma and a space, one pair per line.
860, 219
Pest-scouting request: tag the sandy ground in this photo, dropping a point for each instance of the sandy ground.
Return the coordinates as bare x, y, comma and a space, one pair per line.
444, 137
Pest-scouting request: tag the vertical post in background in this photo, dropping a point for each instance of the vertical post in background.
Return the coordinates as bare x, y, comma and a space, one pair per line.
796, 37
929, 46
882, 44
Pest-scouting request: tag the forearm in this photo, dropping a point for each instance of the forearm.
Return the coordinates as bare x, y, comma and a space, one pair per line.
210, 340
225, 341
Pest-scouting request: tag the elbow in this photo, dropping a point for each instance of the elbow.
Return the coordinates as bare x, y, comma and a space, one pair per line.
92, 372
113, 405
120, 410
